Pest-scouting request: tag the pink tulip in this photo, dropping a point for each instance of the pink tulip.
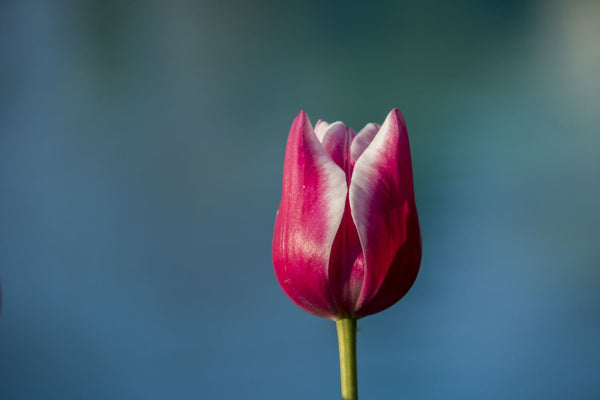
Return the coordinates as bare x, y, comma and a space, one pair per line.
347, 242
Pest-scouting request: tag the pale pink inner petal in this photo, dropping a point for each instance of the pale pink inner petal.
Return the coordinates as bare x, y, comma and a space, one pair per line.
363, 139
320, 129
346, 261
336, 141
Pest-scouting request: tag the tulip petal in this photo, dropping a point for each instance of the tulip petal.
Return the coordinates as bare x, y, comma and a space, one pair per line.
312, 205
320, 129
346, 263
363, 139
336, 141
346, 266
382, 202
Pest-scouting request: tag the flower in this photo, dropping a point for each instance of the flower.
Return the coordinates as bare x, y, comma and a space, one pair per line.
347, 241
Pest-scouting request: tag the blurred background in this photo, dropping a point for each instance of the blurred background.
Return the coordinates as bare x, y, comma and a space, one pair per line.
141, 153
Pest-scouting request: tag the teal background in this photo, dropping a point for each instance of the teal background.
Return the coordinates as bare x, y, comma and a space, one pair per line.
141, 153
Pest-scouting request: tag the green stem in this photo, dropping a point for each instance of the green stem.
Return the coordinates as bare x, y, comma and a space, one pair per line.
346, 330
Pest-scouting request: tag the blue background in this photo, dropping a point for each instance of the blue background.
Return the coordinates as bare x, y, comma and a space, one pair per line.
141, 152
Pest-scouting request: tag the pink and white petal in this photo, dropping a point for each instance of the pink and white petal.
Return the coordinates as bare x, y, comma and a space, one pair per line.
383, 208
320, 129
312, 205
363, 139
336, 141
345, 261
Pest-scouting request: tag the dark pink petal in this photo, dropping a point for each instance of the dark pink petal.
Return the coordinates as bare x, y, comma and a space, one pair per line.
363, 139
312, 205
382, 202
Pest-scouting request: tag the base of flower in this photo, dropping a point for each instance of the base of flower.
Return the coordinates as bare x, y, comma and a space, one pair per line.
346, 330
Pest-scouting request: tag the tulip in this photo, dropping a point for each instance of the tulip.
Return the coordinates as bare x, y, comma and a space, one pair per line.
347, 242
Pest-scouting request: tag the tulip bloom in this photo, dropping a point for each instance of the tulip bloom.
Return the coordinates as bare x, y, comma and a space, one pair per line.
347, 242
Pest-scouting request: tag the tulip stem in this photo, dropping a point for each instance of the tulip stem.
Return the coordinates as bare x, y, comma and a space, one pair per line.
346, 330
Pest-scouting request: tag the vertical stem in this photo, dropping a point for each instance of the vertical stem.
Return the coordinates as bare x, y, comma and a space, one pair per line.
346, 330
